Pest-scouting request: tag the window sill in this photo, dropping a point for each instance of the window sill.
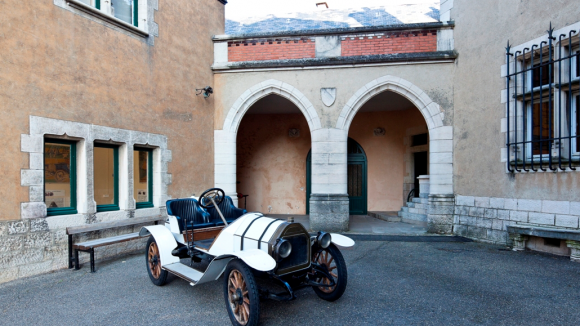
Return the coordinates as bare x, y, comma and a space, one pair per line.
107, 18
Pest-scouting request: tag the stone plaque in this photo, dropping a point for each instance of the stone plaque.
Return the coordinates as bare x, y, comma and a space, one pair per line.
328, 96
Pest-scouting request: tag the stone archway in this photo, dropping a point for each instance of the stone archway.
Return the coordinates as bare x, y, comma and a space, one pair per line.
440, 218
225, 140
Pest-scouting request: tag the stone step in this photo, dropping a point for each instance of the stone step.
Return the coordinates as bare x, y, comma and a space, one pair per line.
386, 216
414, 217
416, 200
411, 204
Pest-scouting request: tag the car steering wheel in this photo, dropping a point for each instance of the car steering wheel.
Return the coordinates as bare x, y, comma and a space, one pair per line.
217, 194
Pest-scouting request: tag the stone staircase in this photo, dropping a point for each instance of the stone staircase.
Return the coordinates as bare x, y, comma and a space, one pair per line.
415, 211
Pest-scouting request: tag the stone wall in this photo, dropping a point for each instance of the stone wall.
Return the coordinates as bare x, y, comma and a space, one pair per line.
486, 218
34, 246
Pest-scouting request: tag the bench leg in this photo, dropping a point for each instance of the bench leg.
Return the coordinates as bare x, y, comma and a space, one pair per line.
70, 252
92, 260
77, 259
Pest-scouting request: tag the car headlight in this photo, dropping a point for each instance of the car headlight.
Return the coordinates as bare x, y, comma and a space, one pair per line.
283, 248
323, 239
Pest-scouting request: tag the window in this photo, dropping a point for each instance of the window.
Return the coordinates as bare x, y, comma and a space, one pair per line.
106, 177
60, 177
143, 177
542, 105
126, 10
92, 3
418, 140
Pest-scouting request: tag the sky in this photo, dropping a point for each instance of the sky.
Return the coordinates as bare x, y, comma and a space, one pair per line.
242, 9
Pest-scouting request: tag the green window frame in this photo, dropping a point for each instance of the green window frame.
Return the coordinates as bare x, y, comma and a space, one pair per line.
98, 4
136, 13
149, 202
72, 209
115, 206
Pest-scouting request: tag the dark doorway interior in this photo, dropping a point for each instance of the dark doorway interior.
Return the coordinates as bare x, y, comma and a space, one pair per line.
421, 168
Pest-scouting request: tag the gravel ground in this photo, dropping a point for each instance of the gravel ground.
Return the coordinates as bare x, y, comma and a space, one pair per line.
390, 282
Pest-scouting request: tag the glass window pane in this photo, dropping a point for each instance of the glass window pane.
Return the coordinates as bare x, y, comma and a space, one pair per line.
104, 161
57, 178
141, 176
541, 128
541, 75
92, 3
123, 9
577, 123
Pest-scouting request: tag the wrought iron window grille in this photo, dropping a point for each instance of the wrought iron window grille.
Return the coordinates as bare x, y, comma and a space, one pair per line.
543, 105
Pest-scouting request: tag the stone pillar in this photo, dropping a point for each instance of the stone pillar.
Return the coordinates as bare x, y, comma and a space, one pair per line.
519, 241
575, 250
329, 209
440, 214
329, 212
424, 186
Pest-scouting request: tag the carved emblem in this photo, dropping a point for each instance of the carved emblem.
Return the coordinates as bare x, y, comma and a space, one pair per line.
379, 131
328, 96
294, 133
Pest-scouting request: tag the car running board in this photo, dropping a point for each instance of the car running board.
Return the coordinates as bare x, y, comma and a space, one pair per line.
193, 276
185, 272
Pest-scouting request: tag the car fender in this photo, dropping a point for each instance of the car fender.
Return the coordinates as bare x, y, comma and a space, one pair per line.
257, 259
341, 240
165, 242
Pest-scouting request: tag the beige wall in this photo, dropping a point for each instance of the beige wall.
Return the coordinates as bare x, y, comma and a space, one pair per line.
434, 79
271, 166
482, 30
386, 155
56, 64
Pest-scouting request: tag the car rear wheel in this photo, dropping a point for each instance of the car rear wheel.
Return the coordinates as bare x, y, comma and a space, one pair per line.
241, 294
332, 261
157, 275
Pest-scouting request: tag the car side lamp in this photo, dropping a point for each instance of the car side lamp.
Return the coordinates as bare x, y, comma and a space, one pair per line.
323, 239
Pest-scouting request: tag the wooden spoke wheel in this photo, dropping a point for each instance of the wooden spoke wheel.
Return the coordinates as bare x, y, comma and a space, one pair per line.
157, 275
241, 294
331, 260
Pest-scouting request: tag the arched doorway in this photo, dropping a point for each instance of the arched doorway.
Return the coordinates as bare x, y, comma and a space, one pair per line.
357, 179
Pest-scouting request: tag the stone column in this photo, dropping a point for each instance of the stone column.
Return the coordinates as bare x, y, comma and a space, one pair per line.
519, 241
329, 209
424, 186
440, 214
575, 248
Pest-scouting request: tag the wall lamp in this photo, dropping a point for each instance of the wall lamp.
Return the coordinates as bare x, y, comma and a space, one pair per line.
206, 91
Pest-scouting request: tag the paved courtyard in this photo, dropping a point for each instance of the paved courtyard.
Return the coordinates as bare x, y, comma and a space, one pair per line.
390, 282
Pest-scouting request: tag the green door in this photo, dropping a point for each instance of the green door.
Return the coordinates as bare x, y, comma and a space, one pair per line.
357, 179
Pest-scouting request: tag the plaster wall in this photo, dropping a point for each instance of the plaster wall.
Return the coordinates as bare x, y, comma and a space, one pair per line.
271, 166
481, 33
57, 64
386, 154
435, 79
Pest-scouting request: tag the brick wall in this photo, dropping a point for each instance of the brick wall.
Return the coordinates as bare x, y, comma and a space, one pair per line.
398, 42
257, 50
351, 45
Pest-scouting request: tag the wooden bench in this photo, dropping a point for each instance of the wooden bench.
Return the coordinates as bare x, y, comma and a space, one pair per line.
521, 233
89, 246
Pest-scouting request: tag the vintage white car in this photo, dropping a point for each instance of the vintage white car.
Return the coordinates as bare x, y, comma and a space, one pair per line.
245, 246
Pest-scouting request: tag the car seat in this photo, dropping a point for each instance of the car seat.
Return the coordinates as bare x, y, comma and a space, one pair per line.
189, 214
228, 209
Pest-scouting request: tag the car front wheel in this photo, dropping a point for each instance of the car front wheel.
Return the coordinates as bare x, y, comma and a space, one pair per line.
157, 275
241, 294
332, 261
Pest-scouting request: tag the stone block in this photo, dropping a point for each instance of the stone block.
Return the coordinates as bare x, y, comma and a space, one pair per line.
439, 224
439, 158
503, 214
497, 236
64, 221
11, 243
38, 240
519, 216
36, 193
32, 143
18, 227
327, 46
575, 208
36, 161
440, 210
460, 230
465, 200
21, 257
496, 202
567, 221
477, 211
490, 213
463, 210
32, 210
556, 207
511, 203
31, 177
476, 232
497, 224
541, 218
3, 228
329, 212
529, 205
8, 274
482, 202
483, 222
38, 225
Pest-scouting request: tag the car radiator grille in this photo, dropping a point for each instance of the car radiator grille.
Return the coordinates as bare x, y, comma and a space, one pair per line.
299, 254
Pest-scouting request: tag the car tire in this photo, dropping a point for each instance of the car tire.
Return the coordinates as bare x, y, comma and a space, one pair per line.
333, 260
153, 261
241, 294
